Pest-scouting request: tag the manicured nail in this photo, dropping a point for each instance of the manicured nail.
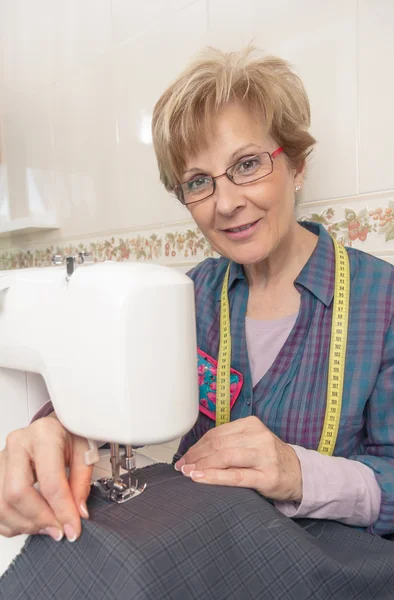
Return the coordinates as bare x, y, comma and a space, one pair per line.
187, 469
197, 475
70, 533
55, 533
178, 465
84, 510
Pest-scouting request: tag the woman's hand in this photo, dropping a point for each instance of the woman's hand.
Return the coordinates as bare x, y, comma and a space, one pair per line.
244, 453
40, 453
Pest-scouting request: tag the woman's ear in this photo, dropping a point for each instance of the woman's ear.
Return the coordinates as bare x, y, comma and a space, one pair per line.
299, 176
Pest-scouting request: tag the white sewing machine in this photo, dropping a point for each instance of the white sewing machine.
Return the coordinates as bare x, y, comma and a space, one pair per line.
115, 344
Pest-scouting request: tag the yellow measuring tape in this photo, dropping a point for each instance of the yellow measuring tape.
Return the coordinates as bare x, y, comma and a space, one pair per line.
337, 358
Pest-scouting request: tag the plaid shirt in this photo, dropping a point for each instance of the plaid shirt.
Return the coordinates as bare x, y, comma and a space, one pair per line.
291, 397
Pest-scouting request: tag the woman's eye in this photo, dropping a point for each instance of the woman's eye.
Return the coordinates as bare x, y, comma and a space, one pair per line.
198, 183
248, 165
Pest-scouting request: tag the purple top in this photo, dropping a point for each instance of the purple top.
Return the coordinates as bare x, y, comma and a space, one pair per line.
264, 340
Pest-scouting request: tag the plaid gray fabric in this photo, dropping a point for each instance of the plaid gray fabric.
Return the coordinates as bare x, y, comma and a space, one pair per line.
181, 540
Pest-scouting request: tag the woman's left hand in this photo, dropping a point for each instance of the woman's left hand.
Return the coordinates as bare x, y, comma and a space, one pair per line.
245, 453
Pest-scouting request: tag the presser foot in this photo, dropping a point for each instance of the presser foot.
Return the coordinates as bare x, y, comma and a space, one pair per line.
119, 491
115, 488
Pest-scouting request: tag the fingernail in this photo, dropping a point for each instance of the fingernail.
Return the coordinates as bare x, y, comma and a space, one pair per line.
70, 533
187, 469
84, 510
55, 533
197, 475
178, 465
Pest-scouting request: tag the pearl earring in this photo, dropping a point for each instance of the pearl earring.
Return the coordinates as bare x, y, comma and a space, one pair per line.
298, 187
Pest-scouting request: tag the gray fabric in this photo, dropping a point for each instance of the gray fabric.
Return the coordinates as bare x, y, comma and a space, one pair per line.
181, 540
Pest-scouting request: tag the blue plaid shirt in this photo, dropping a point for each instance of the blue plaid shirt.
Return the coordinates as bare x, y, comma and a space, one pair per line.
291, 397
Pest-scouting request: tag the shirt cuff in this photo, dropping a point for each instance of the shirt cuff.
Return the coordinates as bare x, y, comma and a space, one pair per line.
45, 410
335, 488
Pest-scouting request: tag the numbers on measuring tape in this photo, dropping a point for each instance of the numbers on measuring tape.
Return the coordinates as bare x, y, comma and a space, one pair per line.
337, 356
224, 358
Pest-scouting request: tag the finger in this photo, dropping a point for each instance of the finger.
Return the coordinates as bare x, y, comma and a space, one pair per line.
25, 510
80, 475
11, 523
237, 426
200, 448
49, 461
245, 478
248, 425
6, 531
215, 445
15, 523
225, 459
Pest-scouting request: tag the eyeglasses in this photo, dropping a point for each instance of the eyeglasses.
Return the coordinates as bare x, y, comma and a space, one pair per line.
248, 170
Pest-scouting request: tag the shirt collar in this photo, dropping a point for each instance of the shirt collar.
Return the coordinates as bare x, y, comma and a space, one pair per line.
317, 275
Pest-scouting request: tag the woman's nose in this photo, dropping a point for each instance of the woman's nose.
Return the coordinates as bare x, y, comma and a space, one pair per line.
228, 197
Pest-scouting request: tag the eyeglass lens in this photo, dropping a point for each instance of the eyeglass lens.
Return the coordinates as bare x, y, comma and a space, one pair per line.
246, 171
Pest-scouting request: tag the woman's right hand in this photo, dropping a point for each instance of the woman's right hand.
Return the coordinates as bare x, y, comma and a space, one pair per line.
40, 453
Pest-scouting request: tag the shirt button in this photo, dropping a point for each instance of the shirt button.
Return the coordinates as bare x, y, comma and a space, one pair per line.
248, 402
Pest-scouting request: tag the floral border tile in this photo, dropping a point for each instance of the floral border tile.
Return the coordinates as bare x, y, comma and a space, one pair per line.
352, 223
188, 244
357, 226
367, 228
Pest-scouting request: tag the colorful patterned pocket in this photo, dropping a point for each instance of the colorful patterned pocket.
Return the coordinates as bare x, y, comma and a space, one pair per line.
207, 371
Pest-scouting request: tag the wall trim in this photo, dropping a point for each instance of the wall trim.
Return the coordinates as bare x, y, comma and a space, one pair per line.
365, 221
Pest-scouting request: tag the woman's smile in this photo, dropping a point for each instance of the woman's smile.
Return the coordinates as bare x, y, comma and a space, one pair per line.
242, 231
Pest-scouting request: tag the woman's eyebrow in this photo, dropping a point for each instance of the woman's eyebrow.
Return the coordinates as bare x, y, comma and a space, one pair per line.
242, 149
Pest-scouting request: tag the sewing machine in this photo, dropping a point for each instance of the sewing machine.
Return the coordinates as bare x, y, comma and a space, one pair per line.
115, 344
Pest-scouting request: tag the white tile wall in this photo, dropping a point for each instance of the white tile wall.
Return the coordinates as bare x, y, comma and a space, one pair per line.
4, 202
84, 146
320, 40
136, 180
376, 95
80, 78
44, 39
133, 17
29, 158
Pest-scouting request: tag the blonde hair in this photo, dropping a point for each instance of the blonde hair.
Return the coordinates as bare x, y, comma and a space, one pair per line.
272, 92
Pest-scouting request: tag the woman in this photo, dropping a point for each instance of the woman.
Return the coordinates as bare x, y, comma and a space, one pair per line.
231, 140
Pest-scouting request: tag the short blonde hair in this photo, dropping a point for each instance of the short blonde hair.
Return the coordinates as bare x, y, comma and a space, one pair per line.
268, 87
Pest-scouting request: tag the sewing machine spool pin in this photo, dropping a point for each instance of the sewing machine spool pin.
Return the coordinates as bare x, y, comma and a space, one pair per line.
72, 261
114, 487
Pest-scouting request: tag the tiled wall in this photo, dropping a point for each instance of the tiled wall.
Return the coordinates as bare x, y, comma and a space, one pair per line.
78, 82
